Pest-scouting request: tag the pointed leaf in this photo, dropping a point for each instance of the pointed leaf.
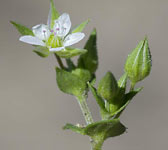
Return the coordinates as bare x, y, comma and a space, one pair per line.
131, 94
127, 99
23, 30
81, 26
89, 60
99, 100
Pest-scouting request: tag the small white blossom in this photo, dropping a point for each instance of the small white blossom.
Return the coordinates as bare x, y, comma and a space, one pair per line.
55, 39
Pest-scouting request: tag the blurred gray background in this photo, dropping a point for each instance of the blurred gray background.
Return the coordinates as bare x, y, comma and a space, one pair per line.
33, 110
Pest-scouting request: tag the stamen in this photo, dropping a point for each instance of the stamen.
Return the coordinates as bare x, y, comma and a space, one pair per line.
57, 29
52, 31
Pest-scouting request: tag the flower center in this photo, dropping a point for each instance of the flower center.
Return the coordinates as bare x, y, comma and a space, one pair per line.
54, 41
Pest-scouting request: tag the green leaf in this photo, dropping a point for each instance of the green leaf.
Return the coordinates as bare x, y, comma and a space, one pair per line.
53, 14
70, 52
89, 60
105, 129
127, 99
74, 128
70, 83
138, 64
131, 94
102, 129
81, 26
42, 51
99, 100
83, 74
23, 30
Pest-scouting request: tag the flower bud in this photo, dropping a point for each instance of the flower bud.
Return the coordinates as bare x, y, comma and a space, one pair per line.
138, 64
108, 88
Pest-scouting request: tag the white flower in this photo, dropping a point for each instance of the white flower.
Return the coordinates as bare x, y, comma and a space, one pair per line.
61, 29
55, 39
41, 32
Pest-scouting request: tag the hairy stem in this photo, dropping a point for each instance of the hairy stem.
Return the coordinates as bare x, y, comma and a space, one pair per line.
59, 61
84, 108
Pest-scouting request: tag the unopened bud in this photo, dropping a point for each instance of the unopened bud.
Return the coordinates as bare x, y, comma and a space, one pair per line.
138, 64
107, 87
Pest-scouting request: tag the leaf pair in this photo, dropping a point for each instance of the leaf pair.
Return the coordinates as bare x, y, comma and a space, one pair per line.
99, 131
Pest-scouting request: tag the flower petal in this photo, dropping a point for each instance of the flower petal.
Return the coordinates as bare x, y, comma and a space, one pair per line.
41, 31
62, 25
56, 49
73, 38
32, 40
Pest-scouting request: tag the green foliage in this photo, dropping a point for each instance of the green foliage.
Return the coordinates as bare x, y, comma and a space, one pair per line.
42, 51
53, 14
71, 52
74, 82
108, 88
100, 130
83, 74
77, 80
138, 63
89, 60
23, 30
80, 27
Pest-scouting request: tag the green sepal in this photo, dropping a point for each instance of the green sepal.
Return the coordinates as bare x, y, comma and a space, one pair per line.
42, 51
70, 83
89, 60
138, 64
80, 27
23, 30
53, 14
100, 130
69, 52
108, 88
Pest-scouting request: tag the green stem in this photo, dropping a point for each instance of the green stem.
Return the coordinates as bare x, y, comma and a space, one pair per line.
97, 144
84, 108
59, 61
